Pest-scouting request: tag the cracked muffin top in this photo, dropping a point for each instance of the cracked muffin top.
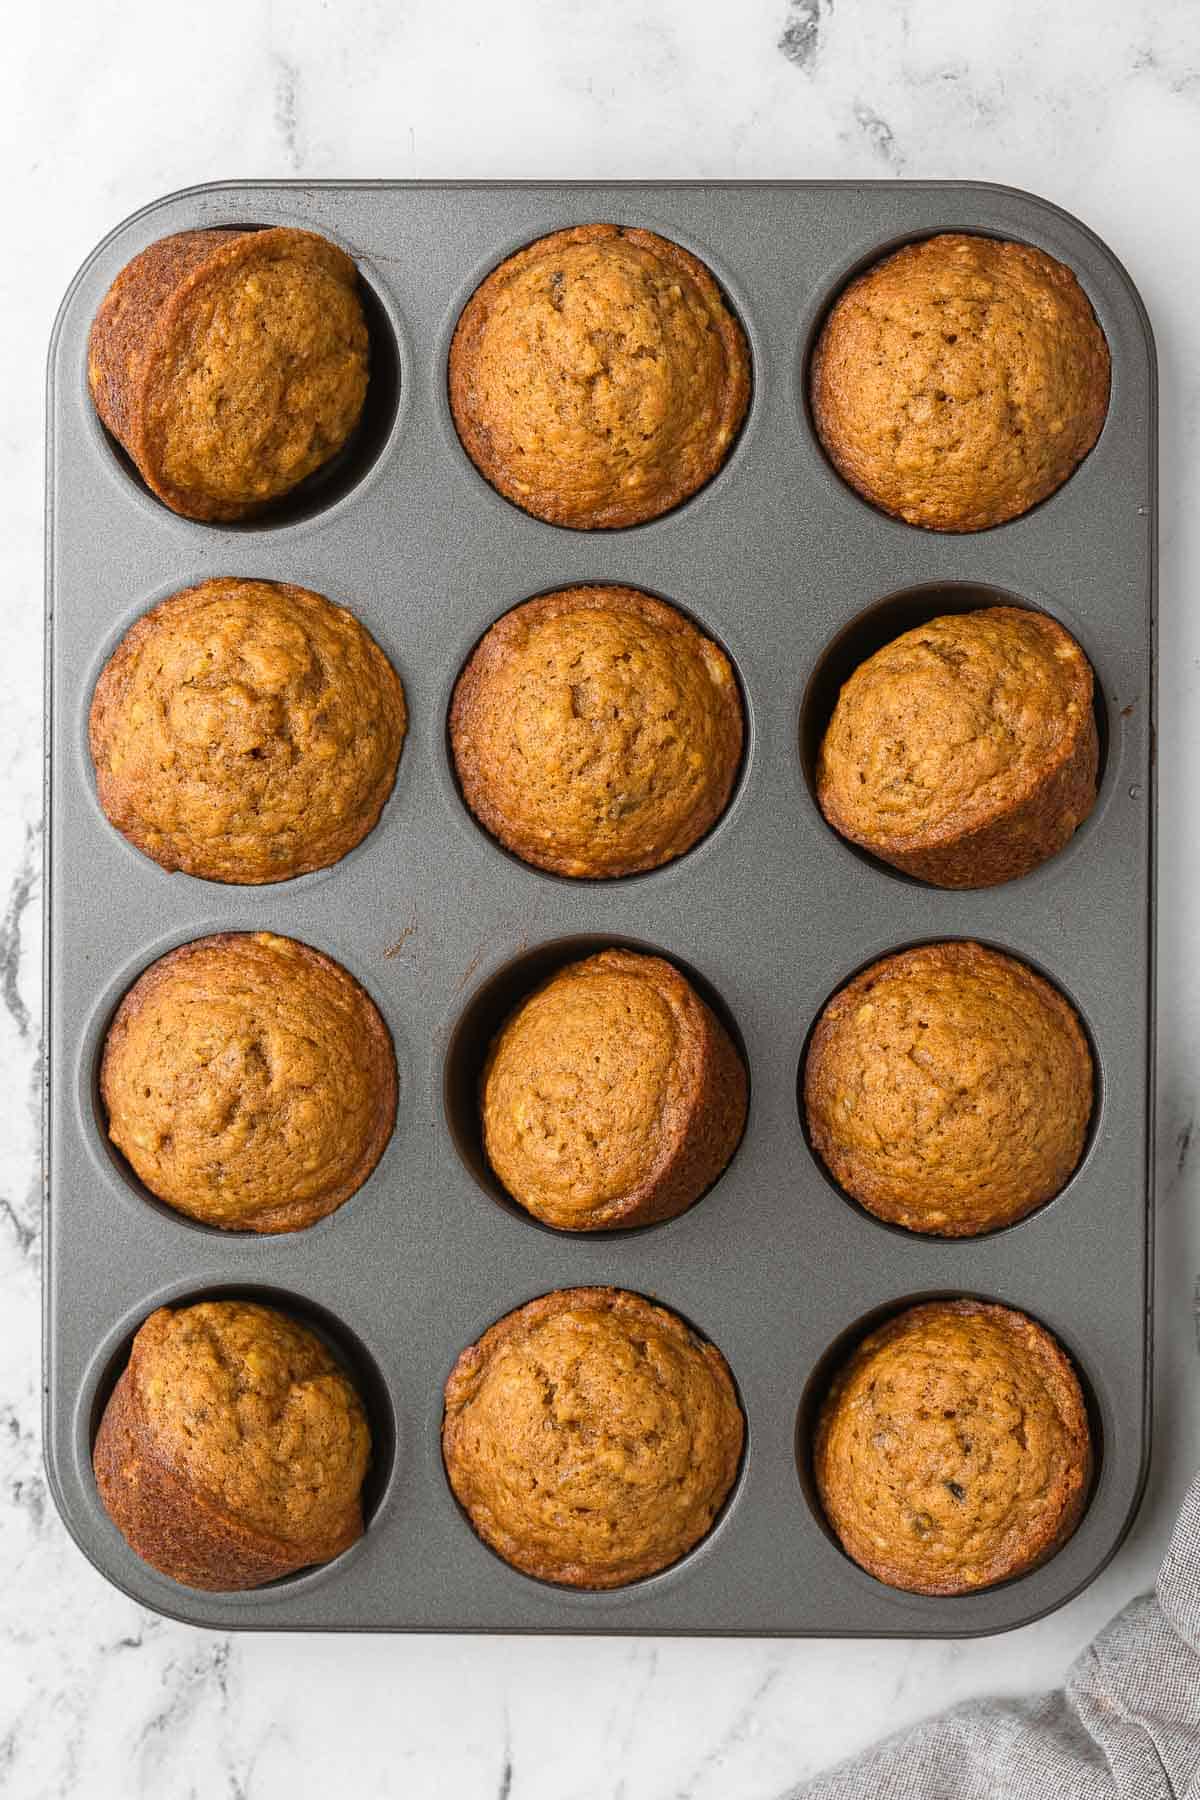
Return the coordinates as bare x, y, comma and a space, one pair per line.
960, 381
953, 1448
230, 365
233, 1448
613, 1096
591, 1437
249, 1081
965, 751
597, 377
948, 1089
246, 731
596, 732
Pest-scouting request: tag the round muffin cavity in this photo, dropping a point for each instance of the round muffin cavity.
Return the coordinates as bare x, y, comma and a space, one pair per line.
964, 752
246, 731
596, 732
230, 365
613, 1096
233, 1448
953, 1450
948, 1089
591, 1437
250, 1082
960, 381
598, 378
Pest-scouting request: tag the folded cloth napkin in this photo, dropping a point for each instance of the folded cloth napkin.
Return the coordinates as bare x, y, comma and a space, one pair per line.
1126, 1727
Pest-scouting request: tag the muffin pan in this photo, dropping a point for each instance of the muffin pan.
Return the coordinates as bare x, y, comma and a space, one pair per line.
799, 579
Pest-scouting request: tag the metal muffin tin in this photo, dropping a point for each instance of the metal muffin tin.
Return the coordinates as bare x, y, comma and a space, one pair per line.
797, 577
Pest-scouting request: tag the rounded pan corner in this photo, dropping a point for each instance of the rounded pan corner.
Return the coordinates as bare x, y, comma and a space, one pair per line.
1027, 197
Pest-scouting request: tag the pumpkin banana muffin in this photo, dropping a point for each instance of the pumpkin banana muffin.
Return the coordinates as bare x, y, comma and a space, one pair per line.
612, 1096
596, 732
246, 731
233, 1448
953, 1450
948, 1089
591, 1437
249, 1081
960, 381
965, 751
598, 378
230, 365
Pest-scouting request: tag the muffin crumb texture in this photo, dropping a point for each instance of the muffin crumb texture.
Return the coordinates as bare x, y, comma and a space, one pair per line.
230, 365
249, 1081
596, 732
965, 751
953, 1449
597, 377
246, 731
948, 1089
233, 1448
612, 1096
960, 381
591, 1437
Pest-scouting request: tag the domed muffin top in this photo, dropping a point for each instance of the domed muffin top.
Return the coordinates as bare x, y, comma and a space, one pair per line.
250, 1408
231, 364
597, 377
956, 725
249, 1081
959, 381
953, 1450
591, 1437
612, 1095
949, 1089
596, 732
246, 731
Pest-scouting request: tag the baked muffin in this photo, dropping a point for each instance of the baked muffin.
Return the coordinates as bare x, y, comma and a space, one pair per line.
953, 1449
246, 731
230, 365
591, 1438
249, 1081
948, 1089
960, 381
612, 1096
965, 751
596, 732
233, 1448
597, 377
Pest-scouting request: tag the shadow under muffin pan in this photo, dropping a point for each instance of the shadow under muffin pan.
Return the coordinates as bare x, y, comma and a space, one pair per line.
778, 558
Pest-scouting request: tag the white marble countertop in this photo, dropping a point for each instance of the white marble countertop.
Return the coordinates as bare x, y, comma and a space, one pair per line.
104, 107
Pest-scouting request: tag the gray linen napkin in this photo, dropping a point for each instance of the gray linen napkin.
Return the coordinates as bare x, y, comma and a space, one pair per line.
1127, 1726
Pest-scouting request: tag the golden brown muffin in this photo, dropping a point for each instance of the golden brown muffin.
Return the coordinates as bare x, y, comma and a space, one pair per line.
948, 1089
230, 365
233, 1448
596, 732
965, 751
246, 731
597, 377
953, 1449
250, 1081
591, 1438
612, 1096
960, 381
